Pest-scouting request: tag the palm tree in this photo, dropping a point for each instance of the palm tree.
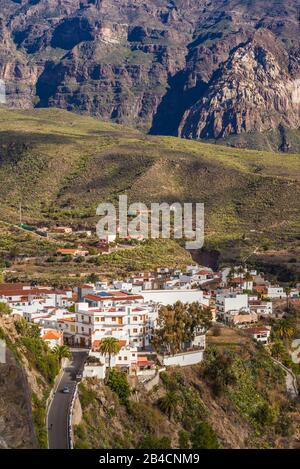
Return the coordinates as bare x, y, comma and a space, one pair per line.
62, 351
277, 349
248, 277
231, 274
169, 403
109, 346
241, 271
285, 330
287, 291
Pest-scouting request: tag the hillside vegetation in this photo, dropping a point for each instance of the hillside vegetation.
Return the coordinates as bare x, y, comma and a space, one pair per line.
235, 399
61, 165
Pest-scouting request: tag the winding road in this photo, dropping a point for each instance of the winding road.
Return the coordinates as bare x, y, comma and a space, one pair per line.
290, 380
59, 409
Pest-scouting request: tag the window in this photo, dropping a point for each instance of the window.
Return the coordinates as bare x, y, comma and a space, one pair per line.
125, 359
113, 319
135, 330
102, 319
135, 318
97, 319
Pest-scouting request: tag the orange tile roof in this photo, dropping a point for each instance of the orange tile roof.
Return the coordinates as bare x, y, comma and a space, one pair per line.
70, 251
52, 335
96, 343
142, 359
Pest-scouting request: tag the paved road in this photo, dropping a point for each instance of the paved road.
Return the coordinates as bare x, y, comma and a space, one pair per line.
290, 379
60, 407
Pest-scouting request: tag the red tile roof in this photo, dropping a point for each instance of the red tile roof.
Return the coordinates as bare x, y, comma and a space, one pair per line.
257, 330
96, 344
52, 334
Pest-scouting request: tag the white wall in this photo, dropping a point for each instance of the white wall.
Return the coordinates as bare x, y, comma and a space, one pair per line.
183, 359
94, 371
231, 303
169, 297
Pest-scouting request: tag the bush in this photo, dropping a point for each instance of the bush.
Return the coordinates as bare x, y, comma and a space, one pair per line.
184, 440
203, 437
117, 381
87, 396
218, 370
39, 416
41, 357
4, 309
154, 442
265, 415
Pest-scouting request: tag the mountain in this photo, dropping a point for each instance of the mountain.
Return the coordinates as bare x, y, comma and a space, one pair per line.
191, 68
62, 165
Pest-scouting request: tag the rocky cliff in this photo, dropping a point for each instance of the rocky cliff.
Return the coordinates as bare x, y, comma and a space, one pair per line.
198, 69
26, 377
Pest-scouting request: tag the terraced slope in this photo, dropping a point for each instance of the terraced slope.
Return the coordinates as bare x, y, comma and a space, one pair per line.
61, 165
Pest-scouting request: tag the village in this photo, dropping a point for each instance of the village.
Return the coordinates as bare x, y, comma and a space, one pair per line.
120, 323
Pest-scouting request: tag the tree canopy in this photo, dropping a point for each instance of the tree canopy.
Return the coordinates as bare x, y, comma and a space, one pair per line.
178, 326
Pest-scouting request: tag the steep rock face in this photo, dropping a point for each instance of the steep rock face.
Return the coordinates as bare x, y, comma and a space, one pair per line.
16, 427
253, 91
194, 68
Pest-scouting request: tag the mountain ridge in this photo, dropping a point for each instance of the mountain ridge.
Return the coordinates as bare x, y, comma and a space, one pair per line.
196, 69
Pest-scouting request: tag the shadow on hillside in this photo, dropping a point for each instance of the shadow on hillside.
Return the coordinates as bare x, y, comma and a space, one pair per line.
30, 138
176, 101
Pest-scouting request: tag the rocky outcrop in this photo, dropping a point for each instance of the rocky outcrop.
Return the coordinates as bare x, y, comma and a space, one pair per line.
253, 91
16, 423
194, 68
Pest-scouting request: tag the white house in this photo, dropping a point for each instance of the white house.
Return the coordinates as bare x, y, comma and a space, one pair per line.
230, 301
260, 334
261, 308
275, 292
52, 337
130, 322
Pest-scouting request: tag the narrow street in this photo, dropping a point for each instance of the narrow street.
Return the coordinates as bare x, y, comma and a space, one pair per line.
58, 414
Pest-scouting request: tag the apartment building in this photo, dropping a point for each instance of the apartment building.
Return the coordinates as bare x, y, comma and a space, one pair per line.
230, 301
131, 322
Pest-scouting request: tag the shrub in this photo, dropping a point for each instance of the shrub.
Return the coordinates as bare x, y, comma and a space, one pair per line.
203, 437
184, 440
154, 442
117, 381
265, 415
39, 416
4, 309
87, 396
40, 357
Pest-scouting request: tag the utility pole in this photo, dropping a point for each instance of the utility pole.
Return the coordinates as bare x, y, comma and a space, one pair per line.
20, 213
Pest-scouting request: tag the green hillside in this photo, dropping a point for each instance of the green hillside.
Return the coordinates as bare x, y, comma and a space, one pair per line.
61, 165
